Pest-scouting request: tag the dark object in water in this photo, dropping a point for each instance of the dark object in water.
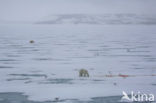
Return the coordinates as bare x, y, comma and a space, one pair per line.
83, 73
31, 41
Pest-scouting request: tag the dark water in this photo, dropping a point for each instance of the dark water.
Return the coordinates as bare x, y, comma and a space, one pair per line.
14, 97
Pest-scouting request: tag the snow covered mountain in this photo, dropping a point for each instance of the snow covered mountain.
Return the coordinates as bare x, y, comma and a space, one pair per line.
99, 19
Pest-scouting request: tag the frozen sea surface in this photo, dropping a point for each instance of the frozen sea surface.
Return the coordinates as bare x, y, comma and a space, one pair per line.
13, 97
48, 68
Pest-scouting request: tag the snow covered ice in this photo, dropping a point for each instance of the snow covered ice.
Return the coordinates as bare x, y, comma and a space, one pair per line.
113, 46
49, 67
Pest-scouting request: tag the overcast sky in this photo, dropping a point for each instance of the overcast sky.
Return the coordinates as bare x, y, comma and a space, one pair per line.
33, 10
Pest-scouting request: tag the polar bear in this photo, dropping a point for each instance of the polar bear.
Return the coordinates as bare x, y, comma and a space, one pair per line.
83, 73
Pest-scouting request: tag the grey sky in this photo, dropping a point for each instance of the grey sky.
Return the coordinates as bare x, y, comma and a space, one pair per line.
33, 10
